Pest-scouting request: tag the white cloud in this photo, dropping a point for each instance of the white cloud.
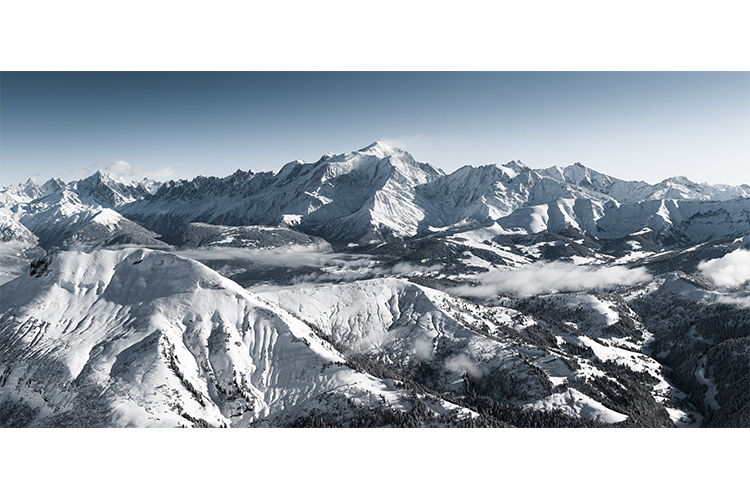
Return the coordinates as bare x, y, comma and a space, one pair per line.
423, 348
76, 170
461, 363
743, 302
405, 143
731, 270
122, 169
330, 266
289, 256
119, 167
125, 169
408, 268
160, 173
551, 278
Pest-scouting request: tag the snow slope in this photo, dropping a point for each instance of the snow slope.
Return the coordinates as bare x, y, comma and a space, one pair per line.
18, 246
145, 338
440, 339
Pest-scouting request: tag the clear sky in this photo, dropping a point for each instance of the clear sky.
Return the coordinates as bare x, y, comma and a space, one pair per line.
631, 125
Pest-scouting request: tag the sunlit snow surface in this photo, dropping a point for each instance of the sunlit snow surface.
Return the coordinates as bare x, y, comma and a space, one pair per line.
578, 404
396, 321
152, 339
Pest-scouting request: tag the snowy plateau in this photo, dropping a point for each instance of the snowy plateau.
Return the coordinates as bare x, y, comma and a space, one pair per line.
368, 289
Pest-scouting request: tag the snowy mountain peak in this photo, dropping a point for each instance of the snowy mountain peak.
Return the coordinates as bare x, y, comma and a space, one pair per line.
31, 188
12, 230
108, 178
594, 182
240, 177
517, 165
580, 170
107, 217
20, 193
53, 185
380, 149
680, 179
111, 190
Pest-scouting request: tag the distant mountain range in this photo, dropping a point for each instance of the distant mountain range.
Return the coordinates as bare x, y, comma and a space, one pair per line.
381, 193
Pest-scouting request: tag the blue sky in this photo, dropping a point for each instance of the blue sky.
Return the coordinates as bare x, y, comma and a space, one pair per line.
631, 125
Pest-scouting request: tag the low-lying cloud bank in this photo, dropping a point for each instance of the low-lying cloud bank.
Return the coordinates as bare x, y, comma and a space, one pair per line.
731, 270
743, 302
552, 278
291, 256
329, 266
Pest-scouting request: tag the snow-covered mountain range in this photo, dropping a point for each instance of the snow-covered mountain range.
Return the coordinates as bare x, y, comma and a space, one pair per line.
381, 193
369, 289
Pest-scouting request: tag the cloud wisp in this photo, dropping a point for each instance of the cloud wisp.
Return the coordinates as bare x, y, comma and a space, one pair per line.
554, 277
732, 270
408, 268
461, 363
292, 256
742, 301
125, 169
328, 266
76, 170
422, 348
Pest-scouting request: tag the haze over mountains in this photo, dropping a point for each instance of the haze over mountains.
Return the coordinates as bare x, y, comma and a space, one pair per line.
370, 289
